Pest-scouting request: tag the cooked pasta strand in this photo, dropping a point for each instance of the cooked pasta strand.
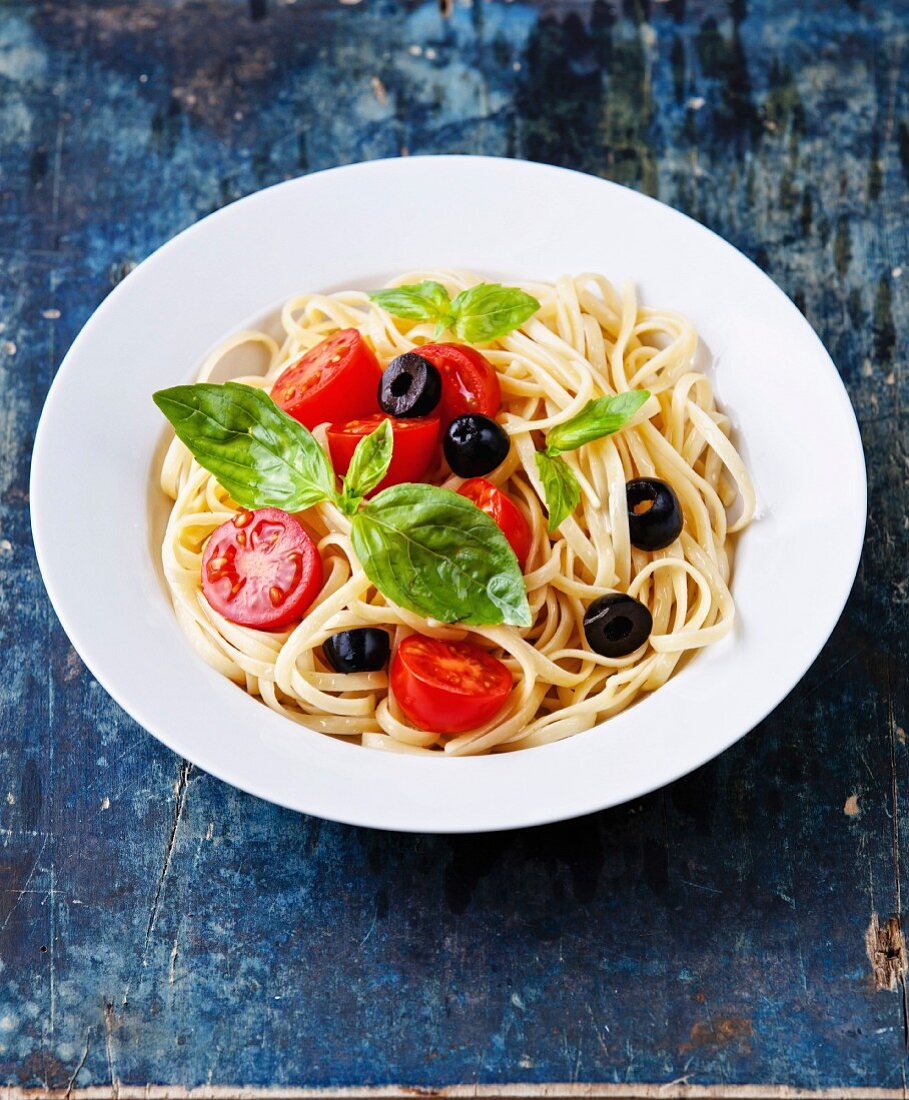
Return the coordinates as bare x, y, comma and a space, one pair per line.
587, 340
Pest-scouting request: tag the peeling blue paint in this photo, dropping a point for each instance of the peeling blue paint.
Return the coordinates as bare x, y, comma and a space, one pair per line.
714, 930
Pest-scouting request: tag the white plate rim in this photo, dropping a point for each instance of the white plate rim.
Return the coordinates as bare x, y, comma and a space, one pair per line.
450, 803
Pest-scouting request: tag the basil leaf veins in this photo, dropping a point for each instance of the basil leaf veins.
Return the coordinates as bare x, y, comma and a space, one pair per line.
487, 311
561, 489
427, 301
600, 417
368, 466
477, 315
262, 456
433, 552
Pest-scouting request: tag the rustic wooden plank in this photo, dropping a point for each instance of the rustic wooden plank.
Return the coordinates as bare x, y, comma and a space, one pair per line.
157, 927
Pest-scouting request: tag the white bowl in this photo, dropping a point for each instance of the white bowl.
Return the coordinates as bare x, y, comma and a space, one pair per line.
96, 508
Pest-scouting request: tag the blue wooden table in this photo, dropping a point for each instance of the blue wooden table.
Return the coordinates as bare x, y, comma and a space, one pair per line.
739, 927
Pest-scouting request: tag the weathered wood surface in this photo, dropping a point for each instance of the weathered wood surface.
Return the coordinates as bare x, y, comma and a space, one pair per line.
673, 1090
159, 927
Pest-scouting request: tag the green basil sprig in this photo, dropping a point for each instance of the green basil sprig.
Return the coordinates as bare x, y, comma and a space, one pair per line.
426, 549
263, 457
368, 466
426, 301
477, 315
434, 552
601, 417
561, 489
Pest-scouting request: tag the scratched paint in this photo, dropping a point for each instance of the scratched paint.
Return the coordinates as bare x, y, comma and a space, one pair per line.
156, 926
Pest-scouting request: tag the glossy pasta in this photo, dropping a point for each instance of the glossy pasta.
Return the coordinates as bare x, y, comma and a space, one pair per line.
588, 339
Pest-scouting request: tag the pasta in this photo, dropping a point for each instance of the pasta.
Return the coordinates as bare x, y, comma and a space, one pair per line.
588, 339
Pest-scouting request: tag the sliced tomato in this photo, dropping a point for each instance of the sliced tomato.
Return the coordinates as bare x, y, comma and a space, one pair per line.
500, 507
261, 569
449, 687
412, 451
469, 381
336, 380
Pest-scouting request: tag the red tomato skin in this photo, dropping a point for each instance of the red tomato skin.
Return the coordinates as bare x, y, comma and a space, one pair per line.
317, 390
500, 507
420, 673
412, 454
266, 550
470, 383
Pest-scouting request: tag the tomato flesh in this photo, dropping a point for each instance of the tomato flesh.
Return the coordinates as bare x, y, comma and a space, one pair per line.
449, 687
412, 452
261, 569
336, 380
500, 507
470, 383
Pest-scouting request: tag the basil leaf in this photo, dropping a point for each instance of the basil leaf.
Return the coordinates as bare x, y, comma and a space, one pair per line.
433, 552
560, 487
427, 301
488, 310
598, 418
368, 466
476, 315
262, 456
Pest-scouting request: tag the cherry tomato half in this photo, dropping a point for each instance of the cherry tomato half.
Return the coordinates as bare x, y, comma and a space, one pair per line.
336, 380
261, 569
449, 687
412, 452
504, 511
469, 381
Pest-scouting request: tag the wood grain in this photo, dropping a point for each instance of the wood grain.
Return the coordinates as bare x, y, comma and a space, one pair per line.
742, 927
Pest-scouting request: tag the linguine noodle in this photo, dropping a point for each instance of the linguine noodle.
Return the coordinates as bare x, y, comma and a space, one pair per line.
587, 340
